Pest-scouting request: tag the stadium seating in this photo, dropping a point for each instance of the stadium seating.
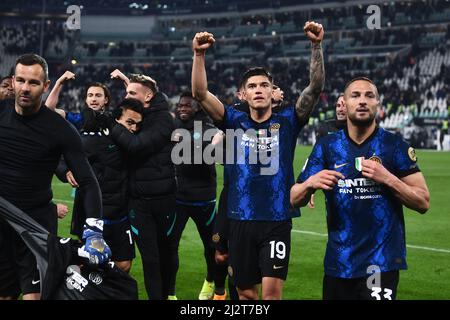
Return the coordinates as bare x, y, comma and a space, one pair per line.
410, 61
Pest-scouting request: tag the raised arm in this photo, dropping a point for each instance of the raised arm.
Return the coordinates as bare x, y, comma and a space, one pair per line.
117, 74
53, 97
212, 106
310, 95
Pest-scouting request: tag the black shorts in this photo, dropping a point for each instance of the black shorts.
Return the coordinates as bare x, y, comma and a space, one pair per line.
360, 289
222, 223
117, 234
258, 249
18, 267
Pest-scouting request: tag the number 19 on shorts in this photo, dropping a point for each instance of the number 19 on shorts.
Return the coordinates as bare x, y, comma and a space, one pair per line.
277, 248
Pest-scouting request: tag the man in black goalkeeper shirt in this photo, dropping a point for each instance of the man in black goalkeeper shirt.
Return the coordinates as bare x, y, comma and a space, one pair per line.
32, 140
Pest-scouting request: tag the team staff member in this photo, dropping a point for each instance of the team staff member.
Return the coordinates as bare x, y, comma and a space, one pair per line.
6, 88
196, 195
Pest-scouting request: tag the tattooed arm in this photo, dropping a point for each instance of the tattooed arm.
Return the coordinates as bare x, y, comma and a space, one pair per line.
309, 97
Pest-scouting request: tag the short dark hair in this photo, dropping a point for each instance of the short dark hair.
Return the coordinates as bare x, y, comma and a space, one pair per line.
4, 78
363, 79
105, 90
128, 104
30, 59
186, 94
145, 81
257, 71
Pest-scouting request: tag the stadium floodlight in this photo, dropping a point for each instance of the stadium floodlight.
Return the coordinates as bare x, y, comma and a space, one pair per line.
74, 62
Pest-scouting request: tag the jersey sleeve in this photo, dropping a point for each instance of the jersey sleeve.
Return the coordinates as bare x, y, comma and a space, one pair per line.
405, 159
229, 118
290, 113
75, 118
314, 163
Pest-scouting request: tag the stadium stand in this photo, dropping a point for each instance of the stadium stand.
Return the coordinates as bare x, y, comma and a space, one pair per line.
409, 57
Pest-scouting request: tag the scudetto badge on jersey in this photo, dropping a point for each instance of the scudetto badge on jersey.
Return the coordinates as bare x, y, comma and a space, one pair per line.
358, 163
412, 154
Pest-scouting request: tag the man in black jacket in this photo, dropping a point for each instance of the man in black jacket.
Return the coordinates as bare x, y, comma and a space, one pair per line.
151, 182
110, 166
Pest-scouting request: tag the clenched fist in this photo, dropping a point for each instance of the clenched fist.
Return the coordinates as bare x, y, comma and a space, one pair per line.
66, 76
314, 31
202, 41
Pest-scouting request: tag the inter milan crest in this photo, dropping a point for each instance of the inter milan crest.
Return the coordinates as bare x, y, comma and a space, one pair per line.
216, 238
412, 154
274, 127
230, 271
376, 159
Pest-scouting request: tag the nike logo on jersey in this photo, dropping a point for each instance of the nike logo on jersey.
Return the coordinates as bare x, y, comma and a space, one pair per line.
35, 282
277, 267
336, 166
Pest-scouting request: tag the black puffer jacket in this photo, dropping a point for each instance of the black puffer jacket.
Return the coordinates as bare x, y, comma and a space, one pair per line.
110, 168
151, 172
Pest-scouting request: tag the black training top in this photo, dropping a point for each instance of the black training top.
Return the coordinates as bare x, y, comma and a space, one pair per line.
196, 182
30, 149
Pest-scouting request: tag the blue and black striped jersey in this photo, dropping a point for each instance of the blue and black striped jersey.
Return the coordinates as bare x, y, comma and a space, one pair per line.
365, 219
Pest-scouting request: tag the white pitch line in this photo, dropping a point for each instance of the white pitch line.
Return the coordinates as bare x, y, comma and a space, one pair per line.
311, 233
428, 248
408, 245
322, 234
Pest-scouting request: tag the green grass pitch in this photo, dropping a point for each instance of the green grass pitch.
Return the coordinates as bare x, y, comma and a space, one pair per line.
427, 236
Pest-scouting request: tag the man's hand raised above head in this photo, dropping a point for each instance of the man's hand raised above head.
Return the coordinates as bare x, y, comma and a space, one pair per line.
68, 75
202, 41
117, 74
314, 31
